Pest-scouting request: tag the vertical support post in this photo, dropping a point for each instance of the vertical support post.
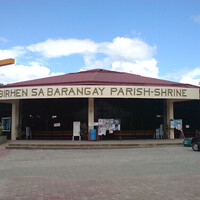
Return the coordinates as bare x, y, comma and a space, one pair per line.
170, 115
90, 113
15, 119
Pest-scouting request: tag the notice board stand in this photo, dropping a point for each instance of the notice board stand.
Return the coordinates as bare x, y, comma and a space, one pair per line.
76, 130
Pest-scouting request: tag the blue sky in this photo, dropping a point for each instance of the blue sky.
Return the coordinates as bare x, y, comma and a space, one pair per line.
155, 38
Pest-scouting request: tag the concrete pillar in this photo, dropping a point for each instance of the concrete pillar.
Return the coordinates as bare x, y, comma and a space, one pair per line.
15, 119
170, 115
90, 113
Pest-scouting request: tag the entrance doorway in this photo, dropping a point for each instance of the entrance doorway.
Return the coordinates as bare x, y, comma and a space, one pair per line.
53, 118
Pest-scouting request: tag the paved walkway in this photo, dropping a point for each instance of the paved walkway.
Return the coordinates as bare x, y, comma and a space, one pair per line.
167, 172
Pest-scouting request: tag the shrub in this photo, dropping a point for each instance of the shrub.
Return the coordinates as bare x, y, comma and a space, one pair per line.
1, 130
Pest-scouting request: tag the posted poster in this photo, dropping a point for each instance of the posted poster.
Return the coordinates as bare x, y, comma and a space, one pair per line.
176, 123
117, 123
110, 125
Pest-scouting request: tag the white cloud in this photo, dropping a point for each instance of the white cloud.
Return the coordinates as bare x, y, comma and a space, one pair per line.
17, 73
192, 77
129, 49
57, 48
196, 18
126, 54
145, 68
123, 53
12, 53
56, 74
185, 75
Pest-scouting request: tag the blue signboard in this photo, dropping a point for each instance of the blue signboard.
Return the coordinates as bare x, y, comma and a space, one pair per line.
6, 122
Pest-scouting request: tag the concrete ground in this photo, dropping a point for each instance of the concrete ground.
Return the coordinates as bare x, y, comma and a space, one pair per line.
167, 173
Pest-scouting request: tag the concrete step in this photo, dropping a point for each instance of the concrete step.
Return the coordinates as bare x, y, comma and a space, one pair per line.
73, 146
68, 147
85, 146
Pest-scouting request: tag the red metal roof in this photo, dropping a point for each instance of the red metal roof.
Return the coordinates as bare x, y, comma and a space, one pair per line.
99, 77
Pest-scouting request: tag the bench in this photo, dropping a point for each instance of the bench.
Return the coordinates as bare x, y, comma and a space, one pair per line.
52, 134
137, 134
